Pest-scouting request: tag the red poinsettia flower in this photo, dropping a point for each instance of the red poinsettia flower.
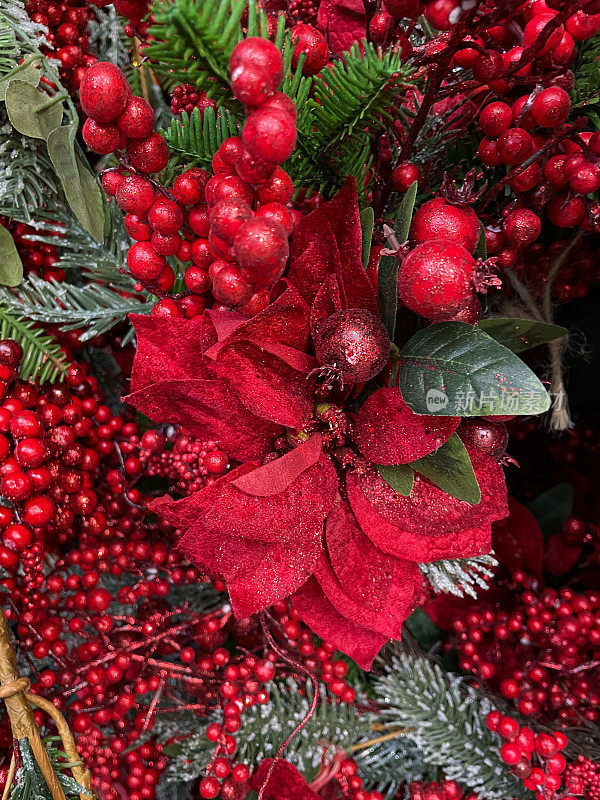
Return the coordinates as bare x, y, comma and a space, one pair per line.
284, 783
306, 513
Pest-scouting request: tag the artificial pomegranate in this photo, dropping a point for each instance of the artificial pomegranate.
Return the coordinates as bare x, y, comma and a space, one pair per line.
438, 219
354, 343
436, 279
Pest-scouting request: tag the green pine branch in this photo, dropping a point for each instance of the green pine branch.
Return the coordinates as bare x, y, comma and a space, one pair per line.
195, 138
30, 783
459, 576
444, 717
93, 307
43, 360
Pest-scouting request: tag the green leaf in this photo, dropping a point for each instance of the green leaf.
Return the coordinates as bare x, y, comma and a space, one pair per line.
399, 477
11, 266
451, 470
424, 629
481, 249
387, 290
30, 75
80, 186
455, 369
520, 334
405, 213
553, 507
367, 220
23, 102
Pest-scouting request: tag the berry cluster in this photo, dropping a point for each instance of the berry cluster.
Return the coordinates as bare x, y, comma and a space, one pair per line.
536, 758
67, 39
117, 120
532, 650
187, 98
37, 257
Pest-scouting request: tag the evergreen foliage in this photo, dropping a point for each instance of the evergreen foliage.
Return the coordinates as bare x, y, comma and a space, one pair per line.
43, 360
459, 576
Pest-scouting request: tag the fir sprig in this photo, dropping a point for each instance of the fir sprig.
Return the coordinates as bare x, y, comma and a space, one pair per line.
195, 138
43, 360
459, 576
93, 307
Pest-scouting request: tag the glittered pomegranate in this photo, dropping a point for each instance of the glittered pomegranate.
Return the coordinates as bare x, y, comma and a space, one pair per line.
438, 219
489, 437
353, 343
436, 280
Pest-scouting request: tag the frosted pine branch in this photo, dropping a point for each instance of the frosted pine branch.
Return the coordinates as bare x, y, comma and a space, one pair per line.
459, 576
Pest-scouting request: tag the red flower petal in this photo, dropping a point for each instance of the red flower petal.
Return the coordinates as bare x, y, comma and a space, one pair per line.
378, 590
320, 615
518, 540
429, 525
156, 360
295, 515
268, 386
341, 216
208, 409
285, 783
388, 432
344, 22
276, 476
318, 256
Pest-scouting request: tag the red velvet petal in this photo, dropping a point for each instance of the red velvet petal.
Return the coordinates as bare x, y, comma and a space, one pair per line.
384, 588
284, 321
285, 783
268, 386
429, 525
209, 410
317, 255
295, 515
388, 432
344, 22
157, 359
316, 610
518, 540
276, 476
327, 301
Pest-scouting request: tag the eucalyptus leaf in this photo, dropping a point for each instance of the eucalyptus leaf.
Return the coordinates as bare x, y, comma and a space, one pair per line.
450, 468
11, 266
455, 369
520, 334
79, 184
29, 74
23, 104
399, 477
387, 290
405, 213
367, 220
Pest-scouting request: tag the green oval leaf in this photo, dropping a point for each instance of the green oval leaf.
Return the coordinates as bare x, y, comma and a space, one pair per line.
23, 104
79, 184
450, 468
387, 292
481, 249
11, 266
520, 334
367, 220
400, 477
553, 507
455, 369
29, 74
405, 213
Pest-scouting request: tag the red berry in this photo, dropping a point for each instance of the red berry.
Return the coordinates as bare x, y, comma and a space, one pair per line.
256, 67
310, 41
144, 263
230, 287
199, 221
38, 511
104, 92
495, 119
270, 135
134, 195
226, 218
551, 107
354, 342
137, 120
522, 227
277, 189
380, 27
404, 175
102, 139
110, 181
277, 213
187, 189
510, 754
150, 154
165, 216
261, 248
514, 146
